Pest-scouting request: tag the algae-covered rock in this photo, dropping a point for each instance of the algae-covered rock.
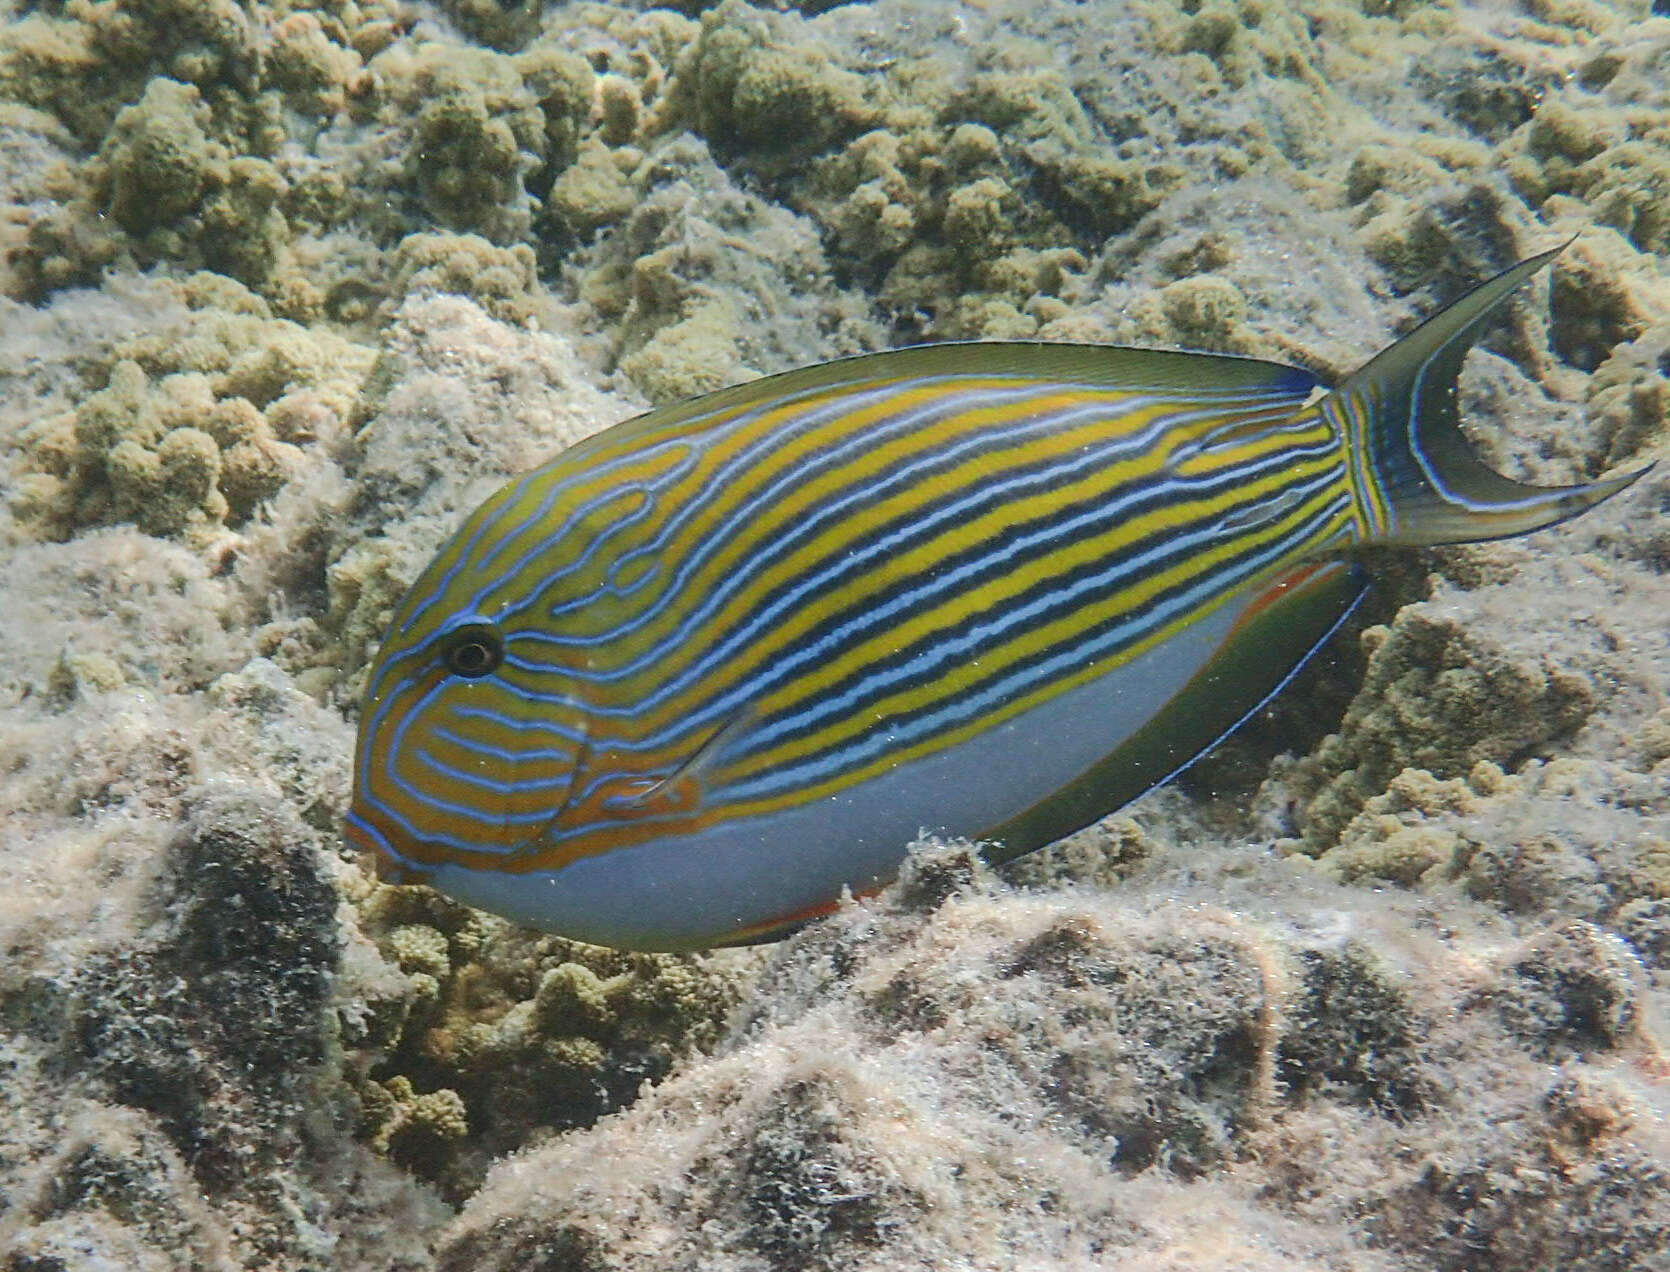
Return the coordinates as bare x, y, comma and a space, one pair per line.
416, 1130
1598, 138
1490, 87
707, 284
195, 1054
186, 173
698, 353
1575, 1175
504, 281
1436, 699
310, 64
952, 1073
478, 130
500, 25
943, 187
1571, 837
1576, 991
288, 742
746, 86
969, 224
1629, 396
159, 162
297, 284
1362, 1032
165, 186
115, 1193
594, 191
264, 978
1597, 306
1201, 312
109, 599
82, 62
1628, 187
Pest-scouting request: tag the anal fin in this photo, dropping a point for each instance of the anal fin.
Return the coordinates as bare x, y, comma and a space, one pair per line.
1279, 629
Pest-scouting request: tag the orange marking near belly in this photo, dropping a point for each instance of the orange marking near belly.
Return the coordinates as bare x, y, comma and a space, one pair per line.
1279, 589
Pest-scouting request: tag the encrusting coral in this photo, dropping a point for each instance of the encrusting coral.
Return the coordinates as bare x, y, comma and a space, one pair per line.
511, 1035
1433, 700
194, 425
504, 281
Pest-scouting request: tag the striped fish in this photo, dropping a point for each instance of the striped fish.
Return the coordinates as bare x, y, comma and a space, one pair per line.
698, 674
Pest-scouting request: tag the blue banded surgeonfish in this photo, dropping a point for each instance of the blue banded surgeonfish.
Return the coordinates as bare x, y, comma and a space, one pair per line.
689, 680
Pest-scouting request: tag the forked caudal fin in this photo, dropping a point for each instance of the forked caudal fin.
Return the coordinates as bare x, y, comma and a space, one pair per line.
1417, 479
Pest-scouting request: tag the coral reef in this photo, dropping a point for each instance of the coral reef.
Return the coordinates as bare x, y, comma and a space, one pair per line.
259, 147
285, 289
705, 284
1434, 701
503, 281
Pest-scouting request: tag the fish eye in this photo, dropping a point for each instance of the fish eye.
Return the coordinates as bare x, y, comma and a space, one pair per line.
473, 651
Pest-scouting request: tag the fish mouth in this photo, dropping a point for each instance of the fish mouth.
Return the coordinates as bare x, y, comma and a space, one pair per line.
387, 864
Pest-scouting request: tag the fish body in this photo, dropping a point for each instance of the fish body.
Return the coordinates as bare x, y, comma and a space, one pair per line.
688, 681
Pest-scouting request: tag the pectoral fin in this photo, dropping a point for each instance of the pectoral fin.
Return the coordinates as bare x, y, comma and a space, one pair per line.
680, 790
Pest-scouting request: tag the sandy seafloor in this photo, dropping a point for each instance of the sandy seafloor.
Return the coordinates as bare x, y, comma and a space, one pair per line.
289, 288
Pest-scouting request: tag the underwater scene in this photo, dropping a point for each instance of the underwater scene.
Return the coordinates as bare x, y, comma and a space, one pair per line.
910, 634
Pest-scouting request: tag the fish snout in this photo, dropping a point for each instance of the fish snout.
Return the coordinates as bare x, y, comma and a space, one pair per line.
377, 847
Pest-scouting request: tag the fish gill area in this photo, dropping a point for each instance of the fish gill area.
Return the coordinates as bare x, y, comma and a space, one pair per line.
285, 289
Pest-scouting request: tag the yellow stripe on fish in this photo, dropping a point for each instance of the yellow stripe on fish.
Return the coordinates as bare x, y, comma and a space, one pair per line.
689, 680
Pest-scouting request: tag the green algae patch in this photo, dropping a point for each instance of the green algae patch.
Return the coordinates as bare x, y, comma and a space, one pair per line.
494, 23
742, 85
594, 191
82, 62
287, 151
164, 186
504, 281
159, 162
478, 129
